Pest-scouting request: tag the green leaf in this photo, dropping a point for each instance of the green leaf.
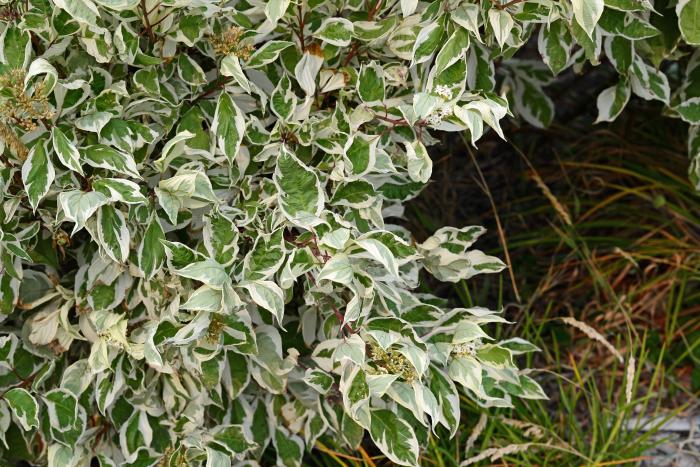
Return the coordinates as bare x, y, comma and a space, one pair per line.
337, 269
301, 195
267, 54
587, 13
527, 388
228, 126
502, 24
190, 71
105, 157
370, 83
230, 66
135, 433
353, 386
24, 407
689, 110
319, 380
612, 101
65, 150
221, 238
208, 272
494, 356
78, 206
267, 295
531, 103
620, 52
554, 43
336, 31
37, 174
83, 11
146, 79
62, 407
394, 437
266, 257
357, 194
15, 47
112, 233
454, 49
233, 439
275, 9
360, 152
420, 165
290, 448
428, 40
447, 397
283, 100
649, 83
688, 12
119, 189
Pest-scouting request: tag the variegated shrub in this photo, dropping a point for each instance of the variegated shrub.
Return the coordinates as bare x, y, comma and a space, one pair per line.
200, 258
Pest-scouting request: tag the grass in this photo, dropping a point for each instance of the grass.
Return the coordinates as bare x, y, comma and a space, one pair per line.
601, 226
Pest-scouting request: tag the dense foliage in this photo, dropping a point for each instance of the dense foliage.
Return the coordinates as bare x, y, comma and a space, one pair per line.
198, 256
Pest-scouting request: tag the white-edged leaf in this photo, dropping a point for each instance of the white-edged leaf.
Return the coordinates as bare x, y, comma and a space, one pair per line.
394, 437
37, 174
78, 206
267, 295
228, 126
230, 66
275, 9
66, 151
381, 253
336, 31
24, 407
612, 101
420, 165
113, 233
151, 253
208, 272
337, 269
301, 195
688, 12
587, 13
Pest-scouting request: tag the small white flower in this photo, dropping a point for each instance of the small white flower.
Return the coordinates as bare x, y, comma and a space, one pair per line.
443, 91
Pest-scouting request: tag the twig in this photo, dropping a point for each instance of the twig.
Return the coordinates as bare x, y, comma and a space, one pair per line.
160, 20
323, 257
147, 22
154, 8
395, 122
373, 11
351, 53
356, 45
212, 88
22, 384
336, 311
